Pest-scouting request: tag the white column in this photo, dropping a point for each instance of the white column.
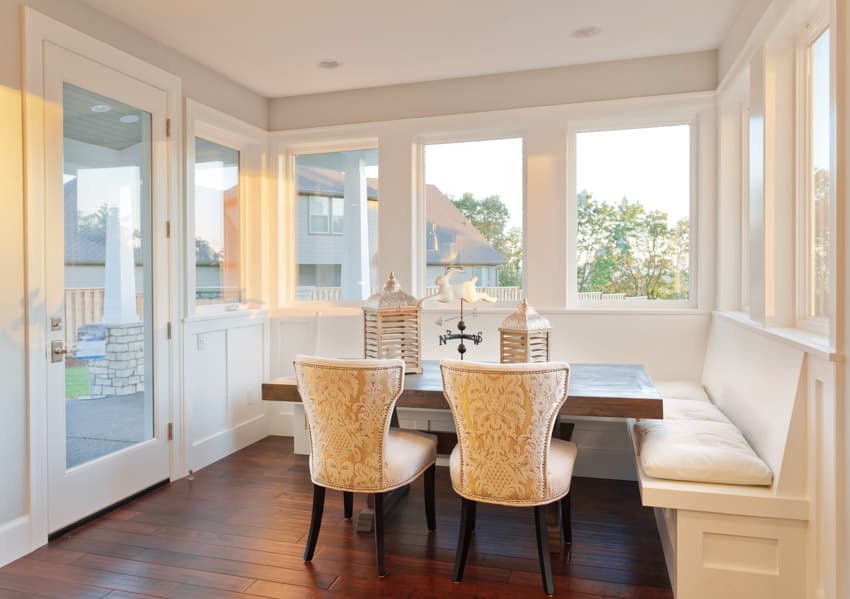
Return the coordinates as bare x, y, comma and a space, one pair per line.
119, 301
355, 263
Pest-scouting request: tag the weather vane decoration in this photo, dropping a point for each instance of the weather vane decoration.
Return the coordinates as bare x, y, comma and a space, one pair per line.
464, 291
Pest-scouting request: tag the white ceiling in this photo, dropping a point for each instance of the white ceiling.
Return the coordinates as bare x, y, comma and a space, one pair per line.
273, 46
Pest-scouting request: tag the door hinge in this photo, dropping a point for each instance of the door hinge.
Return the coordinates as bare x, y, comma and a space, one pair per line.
168, 229
167, 127
171, 431
168, 330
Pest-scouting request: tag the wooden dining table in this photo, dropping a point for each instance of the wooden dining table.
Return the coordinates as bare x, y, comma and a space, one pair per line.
617, 391
595, 390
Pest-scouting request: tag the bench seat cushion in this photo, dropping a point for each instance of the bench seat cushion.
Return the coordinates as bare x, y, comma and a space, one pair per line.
699, 451
692, 409
681, 390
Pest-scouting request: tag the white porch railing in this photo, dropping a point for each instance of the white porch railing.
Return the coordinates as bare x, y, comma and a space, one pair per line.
85, 306
503, 294
598, 296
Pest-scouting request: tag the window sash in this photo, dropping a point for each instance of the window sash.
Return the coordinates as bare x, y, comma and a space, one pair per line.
575, 298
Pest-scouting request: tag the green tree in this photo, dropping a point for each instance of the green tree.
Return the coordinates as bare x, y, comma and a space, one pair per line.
490, 217
622, 248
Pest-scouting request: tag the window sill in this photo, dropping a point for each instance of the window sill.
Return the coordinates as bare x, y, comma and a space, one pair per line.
802, 339
241, 312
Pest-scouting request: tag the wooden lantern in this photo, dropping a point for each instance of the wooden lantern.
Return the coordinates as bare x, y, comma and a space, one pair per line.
391, 325
524, 336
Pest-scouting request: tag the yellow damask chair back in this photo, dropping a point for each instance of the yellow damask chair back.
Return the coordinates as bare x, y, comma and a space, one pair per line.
349, 405
504, 415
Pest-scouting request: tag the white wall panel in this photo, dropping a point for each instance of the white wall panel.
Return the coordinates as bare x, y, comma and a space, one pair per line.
226, 360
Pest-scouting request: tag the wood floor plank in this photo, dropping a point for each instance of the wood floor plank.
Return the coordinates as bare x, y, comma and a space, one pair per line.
237, 532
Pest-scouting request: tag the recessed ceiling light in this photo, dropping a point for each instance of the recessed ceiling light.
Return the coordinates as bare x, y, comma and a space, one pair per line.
329, 64
129, 119
100, 108
585, 32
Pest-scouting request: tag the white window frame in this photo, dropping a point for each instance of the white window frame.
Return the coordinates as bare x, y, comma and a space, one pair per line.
217, 127
287, 154
464, 136
818, 325
687, 117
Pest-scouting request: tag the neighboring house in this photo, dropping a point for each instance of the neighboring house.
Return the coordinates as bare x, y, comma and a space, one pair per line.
321, 244
451, 240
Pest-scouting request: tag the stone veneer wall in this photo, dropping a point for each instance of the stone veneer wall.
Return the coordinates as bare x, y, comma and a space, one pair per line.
122, 371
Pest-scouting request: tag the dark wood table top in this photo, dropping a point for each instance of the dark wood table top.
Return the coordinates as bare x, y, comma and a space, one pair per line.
597, 390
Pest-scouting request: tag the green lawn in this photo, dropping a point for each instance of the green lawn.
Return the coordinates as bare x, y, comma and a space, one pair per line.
76, 381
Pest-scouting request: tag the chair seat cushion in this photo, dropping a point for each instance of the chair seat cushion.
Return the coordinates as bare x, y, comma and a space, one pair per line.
699, 451
682, 390
559, 474
408, 454
692, 409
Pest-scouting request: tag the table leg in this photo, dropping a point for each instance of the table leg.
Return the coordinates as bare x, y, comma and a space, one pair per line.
553, 518
366, 516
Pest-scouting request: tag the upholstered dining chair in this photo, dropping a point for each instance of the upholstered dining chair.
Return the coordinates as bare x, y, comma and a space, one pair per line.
504, 416
349, 404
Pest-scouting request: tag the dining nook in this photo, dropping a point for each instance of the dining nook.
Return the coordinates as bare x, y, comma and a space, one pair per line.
315, 300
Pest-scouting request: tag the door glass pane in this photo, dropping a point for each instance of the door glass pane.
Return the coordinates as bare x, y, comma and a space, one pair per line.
218, 280
107, 216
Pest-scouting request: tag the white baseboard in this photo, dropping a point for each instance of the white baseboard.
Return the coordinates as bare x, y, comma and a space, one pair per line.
222, 444
14, 539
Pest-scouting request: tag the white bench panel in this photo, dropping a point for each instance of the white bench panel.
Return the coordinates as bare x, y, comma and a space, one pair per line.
756, 381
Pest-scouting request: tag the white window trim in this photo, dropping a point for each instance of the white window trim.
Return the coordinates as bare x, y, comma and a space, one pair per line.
464, 136
816, 26
287, 154
223, 129
690, 117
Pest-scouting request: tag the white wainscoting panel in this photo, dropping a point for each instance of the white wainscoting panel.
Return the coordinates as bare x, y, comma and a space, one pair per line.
226, 360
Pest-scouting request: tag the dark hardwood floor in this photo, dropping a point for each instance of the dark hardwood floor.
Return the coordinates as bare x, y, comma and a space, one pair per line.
238, 529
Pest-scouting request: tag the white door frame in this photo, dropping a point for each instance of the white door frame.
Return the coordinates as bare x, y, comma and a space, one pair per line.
38, 31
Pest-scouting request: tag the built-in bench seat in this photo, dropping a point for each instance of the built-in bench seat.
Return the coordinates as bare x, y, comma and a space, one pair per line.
736, 528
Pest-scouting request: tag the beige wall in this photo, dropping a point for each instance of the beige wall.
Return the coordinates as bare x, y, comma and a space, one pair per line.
637, 78
198, 82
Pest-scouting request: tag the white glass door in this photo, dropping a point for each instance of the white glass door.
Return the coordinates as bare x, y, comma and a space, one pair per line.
106, 179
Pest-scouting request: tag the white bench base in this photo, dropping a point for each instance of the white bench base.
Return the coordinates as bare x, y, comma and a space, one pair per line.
711, 556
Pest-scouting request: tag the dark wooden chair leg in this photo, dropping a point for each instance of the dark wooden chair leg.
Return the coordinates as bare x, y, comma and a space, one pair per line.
315, 521
430, 512
542, 529
566, 520
467, 522
379, 533
348, 502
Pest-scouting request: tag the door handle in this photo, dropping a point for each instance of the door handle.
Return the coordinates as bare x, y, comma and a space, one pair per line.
58, 351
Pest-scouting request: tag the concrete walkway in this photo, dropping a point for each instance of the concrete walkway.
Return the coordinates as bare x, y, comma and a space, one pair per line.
98, 427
